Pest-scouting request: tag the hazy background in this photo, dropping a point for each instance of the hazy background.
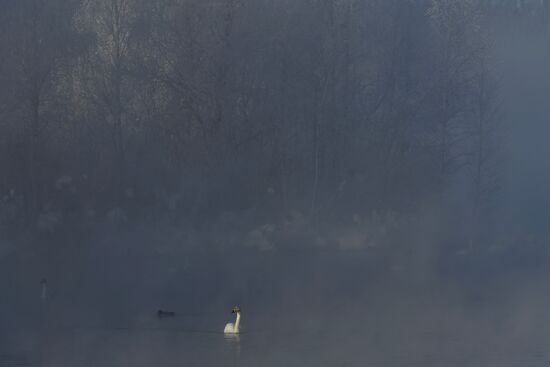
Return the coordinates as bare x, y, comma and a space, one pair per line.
367, 179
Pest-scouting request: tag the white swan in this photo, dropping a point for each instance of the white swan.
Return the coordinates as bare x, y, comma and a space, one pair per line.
233, 328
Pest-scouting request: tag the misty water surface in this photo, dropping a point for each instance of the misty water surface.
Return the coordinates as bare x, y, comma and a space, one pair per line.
300, 308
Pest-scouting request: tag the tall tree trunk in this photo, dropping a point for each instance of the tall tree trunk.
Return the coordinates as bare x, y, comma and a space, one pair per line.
32, 205
480, 158
315, 166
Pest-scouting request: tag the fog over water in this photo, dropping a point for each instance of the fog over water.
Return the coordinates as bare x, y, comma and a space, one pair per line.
367, 180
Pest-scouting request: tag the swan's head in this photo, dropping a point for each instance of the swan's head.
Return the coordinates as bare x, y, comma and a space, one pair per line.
236, 309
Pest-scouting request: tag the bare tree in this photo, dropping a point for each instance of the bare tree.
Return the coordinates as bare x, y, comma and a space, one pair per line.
488, 151
457, 27
110, 22
46, 38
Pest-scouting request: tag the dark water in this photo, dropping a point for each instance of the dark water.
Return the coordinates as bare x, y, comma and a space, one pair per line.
421, 343
298, 310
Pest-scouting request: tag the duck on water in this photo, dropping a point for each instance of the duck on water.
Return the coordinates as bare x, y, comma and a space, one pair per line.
161, 314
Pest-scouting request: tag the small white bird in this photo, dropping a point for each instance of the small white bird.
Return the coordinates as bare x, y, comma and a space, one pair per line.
231, 328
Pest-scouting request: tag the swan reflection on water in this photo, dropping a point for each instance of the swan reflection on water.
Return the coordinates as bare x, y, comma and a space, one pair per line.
232, 338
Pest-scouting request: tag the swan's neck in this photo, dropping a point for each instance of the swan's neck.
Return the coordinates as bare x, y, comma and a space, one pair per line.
237, 322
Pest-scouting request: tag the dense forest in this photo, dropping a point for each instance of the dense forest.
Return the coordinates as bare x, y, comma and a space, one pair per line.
316, 112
